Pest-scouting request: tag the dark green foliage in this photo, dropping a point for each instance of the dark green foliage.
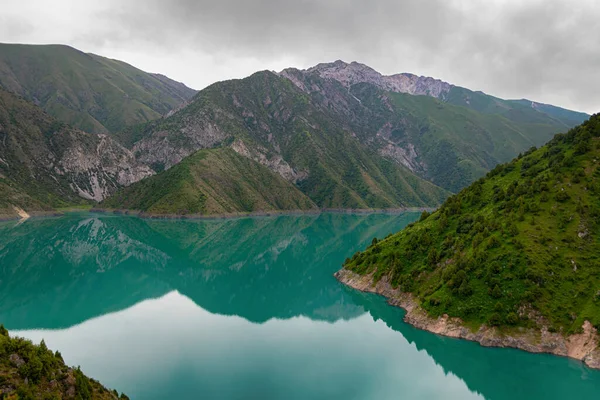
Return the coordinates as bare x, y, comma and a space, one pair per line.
510, 240
35, 372
83, 385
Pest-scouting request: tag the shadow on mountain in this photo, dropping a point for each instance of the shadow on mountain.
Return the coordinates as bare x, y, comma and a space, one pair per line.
59, 272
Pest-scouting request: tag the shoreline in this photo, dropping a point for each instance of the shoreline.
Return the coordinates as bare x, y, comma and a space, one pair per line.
582, 346
141, 214
31, 214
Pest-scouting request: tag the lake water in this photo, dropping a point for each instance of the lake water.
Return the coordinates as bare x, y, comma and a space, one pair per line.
244, 309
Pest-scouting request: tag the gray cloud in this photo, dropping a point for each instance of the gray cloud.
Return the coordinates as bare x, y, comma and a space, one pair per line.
543, 50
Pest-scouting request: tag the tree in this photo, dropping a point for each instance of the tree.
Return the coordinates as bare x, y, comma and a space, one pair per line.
496, 292
512, 318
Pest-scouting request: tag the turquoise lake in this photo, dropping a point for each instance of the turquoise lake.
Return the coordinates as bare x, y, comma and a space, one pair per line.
244, 309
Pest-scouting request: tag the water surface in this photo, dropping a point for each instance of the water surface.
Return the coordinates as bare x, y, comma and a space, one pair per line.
243, 308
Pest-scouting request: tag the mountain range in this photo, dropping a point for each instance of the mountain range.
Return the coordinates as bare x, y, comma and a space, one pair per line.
336, 135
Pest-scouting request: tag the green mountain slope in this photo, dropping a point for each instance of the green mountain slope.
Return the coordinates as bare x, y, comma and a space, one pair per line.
450, 139
216, 181
518, 248
45, 163
265, 117
89, 92
515, 110
567, 117
29, 371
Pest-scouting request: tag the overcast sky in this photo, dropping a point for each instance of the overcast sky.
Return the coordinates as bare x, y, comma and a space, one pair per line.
548, 51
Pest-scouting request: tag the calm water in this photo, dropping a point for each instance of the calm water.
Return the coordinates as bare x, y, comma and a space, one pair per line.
243, 309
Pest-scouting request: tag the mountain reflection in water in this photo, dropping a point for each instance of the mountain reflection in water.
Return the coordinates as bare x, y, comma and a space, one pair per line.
170, 308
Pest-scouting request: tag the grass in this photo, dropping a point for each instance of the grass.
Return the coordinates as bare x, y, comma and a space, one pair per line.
215, 181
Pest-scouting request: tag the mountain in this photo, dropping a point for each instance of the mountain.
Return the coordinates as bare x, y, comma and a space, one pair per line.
446, 134
89, 92
516, 250
29, 371
354, 73
215, 181
266, 118
46, 164
349, 137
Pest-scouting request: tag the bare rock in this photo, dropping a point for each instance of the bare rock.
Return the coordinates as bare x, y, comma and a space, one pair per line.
16, 360
583, 346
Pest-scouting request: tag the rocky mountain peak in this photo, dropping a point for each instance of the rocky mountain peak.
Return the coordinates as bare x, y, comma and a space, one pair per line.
349, 74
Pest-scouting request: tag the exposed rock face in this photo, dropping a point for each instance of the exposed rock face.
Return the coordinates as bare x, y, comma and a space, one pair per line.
276, 163
353, 73
164, 148
583, 346
95, 173
54, 162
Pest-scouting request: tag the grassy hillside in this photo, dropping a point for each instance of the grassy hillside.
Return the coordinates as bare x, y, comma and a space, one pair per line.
567, 117
89, 92
29, 371
519, 247
215, 181
515, 110
270, 120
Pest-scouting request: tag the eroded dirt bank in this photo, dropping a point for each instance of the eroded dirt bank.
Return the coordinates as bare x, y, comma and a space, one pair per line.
583, 346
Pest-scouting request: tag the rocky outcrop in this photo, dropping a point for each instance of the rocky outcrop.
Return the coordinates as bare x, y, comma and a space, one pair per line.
95, 172
353, 73
582, 346
275, 163
166, 148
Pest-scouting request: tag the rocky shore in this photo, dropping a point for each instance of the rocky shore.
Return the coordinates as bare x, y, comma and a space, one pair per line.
583, 346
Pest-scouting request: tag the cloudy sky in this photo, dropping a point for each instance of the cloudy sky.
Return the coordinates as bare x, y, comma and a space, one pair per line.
548, 50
